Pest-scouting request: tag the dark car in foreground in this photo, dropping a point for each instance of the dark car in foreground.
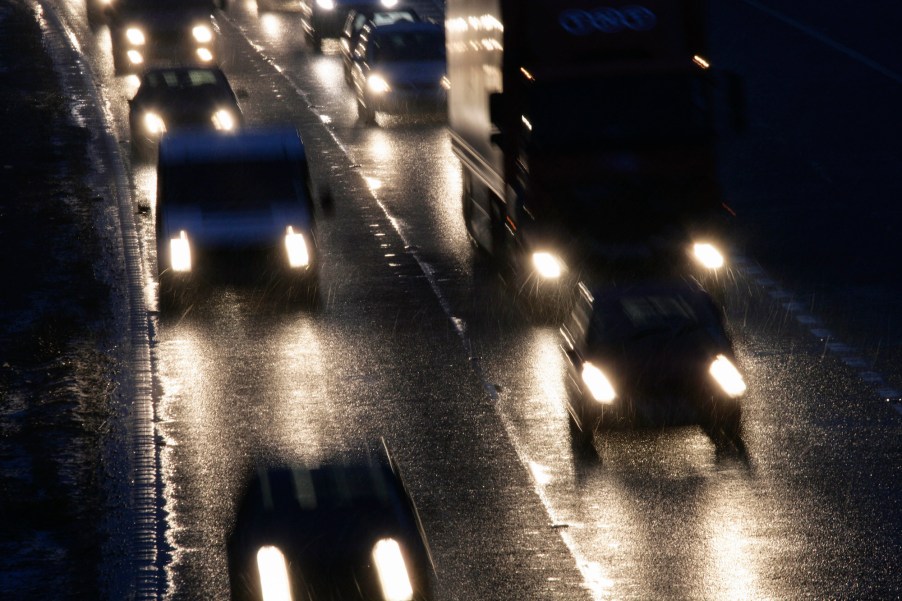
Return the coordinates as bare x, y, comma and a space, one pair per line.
235, 203
173, 98
400, 69
650, 352
324, 19
357, 18
345, 531
144, 32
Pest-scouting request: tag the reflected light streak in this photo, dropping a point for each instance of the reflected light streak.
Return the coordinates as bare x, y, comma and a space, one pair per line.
272, 25
730, 559
373, 183
329, 72
541, 473
380, 148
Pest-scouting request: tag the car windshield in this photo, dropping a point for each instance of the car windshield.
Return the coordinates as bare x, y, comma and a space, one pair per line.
409, 46
181, 79
232, 185
630, 316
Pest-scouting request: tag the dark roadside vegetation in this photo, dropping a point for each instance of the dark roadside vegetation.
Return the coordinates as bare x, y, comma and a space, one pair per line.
55, 321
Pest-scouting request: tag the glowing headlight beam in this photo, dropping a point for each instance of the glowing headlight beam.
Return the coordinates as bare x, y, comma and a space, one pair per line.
135, 57
377, 84
154, 124
223, 120
135, 36
547, 265
389, 3
392, 571
204, 55
707, 255
202, 33
274, 582
326, 4
180, 253
727, 376
296, 245
598, 384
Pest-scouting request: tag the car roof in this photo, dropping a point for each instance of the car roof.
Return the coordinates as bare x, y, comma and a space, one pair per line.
247, 144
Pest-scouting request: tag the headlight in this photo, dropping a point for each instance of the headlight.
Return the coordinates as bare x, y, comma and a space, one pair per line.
392, 571
707, 255
180, 253
154, 124
223, 120
135, 36
326, 4
377, 84
273, 570
134, 57
727, 376
202, 33
296, 245
204, 55
598, 384
547, 265
389, 3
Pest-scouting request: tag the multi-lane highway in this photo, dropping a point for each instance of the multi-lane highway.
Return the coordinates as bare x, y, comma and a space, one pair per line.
418, 343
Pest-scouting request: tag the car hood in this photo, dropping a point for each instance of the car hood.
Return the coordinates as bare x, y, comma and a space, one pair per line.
237, 227
412, 72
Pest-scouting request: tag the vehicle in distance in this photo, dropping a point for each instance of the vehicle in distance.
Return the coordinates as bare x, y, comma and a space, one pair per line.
322, 19
144, 32
650, 352
173, 98
400, 69
240, 202
338, 531
357, 18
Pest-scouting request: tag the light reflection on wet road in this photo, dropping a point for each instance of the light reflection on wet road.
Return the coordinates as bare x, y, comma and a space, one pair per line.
513, 512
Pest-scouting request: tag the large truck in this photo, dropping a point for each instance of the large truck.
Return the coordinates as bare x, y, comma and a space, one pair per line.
586, 132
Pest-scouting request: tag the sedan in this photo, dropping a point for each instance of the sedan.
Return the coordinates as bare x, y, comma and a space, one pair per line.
400, 69
323, 19
650, 352
337, 531
350, 35
171, 98
144, 32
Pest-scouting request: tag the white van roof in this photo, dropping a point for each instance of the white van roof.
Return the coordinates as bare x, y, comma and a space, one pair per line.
246, 144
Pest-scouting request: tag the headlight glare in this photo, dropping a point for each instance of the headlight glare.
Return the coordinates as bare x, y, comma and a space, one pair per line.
389, 3
204, 55
224, 120
392, 571
275, 584
180, 253
135, 36
296, 246
727, 376
377, 84
598, 384
547, 265
326, 4
707, 255
202, 33
135, 57
154, 124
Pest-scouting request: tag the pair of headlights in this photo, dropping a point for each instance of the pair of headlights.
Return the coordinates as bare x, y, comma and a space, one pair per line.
202, 34
221, 119
549, 266
275, 582
295, 248
330, 4
721, 370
